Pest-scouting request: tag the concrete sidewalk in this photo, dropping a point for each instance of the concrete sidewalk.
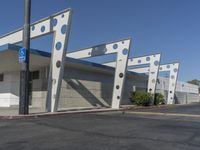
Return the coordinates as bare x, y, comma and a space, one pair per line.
13, 111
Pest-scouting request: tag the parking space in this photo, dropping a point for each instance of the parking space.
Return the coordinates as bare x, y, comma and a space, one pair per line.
104, 131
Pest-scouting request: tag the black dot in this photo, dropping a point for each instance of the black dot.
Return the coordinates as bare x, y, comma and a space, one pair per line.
117, 87
42, 29
118, 97
58, 45
64, 29
115, 46
54, 22
148, 58
58, 63
121, 75
33, 28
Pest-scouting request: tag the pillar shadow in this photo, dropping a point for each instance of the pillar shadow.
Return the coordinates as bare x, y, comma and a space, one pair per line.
85, 93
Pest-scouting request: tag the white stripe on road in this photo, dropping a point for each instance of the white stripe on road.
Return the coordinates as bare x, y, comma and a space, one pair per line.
162, 114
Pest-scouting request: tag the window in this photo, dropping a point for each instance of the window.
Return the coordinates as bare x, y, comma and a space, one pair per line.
35, 75
1, 77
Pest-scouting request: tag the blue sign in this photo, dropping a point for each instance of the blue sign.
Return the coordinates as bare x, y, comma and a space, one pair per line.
22, 55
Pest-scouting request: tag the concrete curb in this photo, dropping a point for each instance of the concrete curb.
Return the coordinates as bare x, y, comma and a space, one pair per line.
40, 115
133, 107
124, 108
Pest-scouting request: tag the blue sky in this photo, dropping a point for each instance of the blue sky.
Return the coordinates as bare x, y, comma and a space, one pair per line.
171, 27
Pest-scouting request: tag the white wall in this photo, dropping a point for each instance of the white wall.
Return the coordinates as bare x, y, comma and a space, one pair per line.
8, 89
180, 86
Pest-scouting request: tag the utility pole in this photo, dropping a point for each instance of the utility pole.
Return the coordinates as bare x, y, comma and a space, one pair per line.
24, 61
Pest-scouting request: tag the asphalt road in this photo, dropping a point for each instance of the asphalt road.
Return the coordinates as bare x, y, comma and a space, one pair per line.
103, 131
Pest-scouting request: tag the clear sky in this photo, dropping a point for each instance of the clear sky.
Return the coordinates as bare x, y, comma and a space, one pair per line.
171, 27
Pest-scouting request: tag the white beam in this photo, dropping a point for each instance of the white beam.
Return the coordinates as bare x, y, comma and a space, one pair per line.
173, 69
59, 24
121, 48
152, 60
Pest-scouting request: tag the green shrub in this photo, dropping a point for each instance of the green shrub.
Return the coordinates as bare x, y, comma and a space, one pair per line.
141, 98
158, 99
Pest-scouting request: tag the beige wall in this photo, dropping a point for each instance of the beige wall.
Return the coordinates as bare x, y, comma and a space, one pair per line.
81, 88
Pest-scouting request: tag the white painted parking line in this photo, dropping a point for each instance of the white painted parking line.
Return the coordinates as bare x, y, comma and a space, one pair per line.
163, 114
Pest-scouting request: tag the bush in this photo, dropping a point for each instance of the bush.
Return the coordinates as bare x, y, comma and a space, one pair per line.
141, 98
158, 99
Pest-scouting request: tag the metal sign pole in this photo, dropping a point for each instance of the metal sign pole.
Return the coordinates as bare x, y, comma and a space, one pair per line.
24, 61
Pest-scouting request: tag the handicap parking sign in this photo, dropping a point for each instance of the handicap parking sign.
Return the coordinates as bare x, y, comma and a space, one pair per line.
22, 55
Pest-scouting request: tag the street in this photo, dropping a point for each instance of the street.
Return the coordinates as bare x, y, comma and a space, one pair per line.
106, 131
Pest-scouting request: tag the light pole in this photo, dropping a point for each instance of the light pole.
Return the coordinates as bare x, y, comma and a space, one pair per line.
24, 61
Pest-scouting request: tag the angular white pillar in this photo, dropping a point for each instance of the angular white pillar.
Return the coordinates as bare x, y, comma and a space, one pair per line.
152, 60
121, 48
59, 25
173, 69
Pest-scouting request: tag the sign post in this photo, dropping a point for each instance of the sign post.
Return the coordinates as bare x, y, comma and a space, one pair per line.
24, 62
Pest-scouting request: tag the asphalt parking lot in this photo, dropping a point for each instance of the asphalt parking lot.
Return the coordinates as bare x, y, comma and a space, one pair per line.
106, 131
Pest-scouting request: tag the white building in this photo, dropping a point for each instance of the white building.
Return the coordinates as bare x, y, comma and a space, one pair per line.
84, 84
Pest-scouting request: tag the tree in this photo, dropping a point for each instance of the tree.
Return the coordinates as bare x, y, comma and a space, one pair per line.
195, 82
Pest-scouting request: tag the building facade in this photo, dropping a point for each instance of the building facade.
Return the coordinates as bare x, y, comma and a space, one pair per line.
84, 85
